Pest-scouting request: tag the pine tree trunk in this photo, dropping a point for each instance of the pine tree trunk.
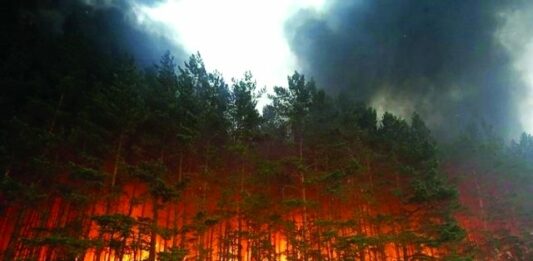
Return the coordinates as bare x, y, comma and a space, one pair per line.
180, 169
481, 203
184, 207
239, 214
56, 113
115, 172
175, 226
304, 218
153, 235
117, 160
304, 196
405, 253
13, 240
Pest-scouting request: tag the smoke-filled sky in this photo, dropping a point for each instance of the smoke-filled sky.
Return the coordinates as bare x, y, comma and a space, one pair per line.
452, 61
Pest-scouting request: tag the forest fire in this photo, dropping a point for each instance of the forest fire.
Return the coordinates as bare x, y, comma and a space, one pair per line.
126, 235
260, 198
105, 158
150, 196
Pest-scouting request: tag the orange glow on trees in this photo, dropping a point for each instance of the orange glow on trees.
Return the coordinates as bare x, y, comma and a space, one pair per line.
161, 165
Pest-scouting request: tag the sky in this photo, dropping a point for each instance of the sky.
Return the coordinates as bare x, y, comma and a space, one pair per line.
517, 38
451, 61
234, 36
454, 62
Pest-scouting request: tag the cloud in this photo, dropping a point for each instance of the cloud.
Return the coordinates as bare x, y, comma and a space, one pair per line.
442, 59
516, 37
111, 25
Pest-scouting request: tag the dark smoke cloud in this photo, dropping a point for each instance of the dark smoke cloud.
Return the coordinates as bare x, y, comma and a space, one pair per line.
116, 24
112, 25
439, 58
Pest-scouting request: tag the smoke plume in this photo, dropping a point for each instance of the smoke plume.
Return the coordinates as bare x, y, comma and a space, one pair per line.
442, 59
114, 26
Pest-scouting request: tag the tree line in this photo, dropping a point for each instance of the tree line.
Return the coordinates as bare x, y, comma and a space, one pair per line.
103, 160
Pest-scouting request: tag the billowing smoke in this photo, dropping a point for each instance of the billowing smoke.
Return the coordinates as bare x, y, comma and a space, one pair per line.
114, 26
455, 62
444, 59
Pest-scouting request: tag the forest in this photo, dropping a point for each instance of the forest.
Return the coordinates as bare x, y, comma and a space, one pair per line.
103, 158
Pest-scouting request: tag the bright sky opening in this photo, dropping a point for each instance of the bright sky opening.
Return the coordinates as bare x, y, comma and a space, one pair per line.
515, 36
235, 36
